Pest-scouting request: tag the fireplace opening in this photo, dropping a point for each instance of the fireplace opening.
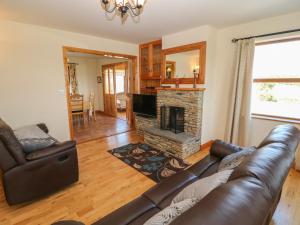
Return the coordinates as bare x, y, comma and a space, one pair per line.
172, 118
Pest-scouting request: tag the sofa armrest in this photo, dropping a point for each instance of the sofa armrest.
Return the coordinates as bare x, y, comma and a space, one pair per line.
221, 149
43, 127
50, 150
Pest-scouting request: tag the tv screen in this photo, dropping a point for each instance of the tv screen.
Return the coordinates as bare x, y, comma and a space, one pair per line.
144, 104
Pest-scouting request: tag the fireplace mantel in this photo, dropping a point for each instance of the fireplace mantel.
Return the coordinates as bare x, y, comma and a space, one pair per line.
180, 89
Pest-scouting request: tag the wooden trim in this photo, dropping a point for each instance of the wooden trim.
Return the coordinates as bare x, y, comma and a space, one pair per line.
278, 41
180, 89
275, 118
207, 145
96, 52
156, 42
67, 86
67, 49
276, 80
201, 46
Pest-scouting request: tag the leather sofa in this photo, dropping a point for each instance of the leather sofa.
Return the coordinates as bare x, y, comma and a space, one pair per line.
27, 177
249, 197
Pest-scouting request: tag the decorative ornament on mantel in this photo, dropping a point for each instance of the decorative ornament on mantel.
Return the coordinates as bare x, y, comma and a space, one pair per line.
124, 7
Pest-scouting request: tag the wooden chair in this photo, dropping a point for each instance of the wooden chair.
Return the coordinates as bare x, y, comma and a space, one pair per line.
77, 106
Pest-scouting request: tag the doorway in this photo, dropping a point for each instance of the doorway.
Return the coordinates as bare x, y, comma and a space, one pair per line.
106, 102
116, 95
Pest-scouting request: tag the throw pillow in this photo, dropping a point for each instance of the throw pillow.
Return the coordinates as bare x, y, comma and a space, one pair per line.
233, 160
202, 187
33, 138
167, 215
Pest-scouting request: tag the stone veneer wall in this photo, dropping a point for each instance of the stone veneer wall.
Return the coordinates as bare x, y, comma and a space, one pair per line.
142, 123
192, 101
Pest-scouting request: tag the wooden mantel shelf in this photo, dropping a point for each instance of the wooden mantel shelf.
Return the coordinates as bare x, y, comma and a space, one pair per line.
180, 89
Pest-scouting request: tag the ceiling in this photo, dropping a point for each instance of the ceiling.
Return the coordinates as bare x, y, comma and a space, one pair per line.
160, 17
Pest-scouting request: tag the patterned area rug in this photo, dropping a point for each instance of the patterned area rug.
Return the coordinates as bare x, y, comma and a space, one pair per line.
155, 164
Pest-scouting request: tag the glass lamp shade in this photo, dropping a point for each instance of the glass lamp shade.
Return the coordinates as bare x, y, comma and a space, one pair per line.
121, 2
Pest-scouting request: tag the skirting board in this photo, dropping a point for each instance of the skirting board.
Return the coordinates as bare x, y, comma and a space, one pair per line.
207, 144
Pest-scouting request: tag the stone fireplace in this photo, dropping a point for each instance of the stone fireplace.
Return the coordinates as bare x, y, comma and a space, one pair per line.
172, 118
179, 121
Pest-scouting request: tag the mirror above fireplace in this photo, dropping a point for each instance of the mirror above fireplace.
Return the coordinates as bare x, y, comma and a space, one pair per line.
184, 64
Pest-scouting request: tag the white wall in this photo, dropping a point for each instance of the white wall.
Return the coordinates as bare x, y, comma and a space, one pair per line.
32, 87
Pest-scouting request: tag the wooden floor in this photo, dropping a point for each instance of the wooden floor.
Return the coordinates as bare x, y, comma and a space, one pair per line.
106, 183
122, 115
103, 126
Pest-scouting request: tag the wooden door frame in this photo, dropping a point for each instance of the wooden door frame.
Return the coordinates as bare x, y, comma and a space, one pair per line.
134, 78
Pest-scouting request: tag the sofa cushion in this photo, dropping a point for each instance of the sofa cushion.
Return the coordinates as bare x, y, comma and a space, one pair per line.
128, 213
243, 201
167, 187
10, 141
33, 138
270, 164
233, 160
170, 213
202, 187
50, 150
200, 167
221, 149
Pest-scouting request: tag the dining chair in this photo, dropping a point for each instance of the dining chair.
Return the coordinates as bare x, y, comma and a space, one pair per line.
77, 106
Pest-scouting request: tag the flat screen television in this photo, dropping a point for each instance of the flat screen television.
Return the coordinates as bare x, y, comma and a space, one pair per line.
144, 104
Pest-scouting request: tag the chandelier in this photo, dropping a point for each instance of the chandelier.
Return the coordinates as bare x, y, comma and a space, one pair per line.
124, 6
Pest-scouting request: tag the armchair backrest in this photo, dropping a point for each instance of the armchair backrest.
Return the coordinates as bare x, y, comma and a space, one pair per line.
11, 143
7, 161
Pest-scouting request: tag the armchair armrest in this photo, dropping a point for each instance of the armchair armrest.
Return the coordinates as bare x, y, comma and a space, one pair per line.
50, 150
221, 149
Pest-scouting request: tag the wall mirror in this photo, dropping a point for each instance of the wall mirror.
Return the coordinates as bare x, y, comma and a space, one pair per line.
184, 64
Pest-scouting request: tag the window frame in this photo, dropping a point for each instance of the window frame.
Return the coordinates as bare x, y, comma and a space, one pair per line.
276, 80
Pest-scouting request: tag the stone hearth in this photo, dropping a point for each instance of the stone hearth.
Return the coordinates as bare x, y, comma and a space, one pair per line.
183, 144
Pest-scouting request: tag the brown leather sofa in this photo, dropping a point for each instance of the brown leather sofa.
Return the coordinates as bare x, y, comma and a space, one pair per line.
29, 177
249, 197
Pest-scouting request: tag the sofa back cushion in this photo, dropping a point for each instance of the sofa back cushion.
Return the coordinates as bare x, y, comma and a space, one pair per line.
286, 134
242, 201
11, 143
269, 164
6, 160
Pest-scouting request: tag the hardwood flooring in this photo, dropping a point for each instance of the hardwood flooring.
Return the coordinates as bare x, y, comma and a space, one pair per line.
106, 183
104, 126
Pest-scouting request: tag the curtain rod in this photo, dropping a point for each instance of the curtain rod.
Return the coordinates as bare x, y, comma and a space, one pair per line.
73, 63
266, 35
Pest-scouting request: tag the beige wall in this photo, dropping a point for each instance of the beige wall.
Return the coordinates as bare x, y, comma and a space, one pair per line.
32, 86
87, 72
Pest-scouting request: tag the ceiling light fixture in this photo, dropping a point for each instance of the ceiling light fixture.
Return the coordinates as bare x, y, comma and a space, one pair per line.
122, 7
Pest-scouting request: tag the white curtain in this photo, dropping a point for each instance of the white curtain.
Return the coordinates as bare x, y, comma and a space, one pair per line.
239, 121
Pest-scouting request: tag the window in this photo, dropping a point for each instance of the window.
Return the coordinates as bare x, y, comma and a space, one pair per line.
120, 81
276, 80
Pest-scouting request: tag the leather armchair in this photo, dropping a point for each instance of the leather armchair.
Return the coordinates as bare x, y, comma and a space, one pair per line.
35, 175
